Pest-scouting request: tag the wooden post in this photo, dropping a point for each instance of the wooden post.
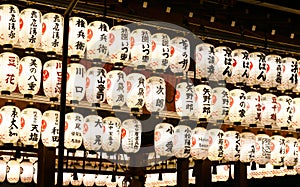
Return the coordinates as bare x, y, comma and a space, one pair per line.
182, 172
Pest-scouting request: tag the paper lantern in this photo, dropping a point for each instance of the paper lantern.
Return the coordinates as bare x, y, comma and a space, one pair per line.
289, 74
215, 144
257, 69
253, 108
88, 179
223, 63
9, 24
155, 94
52, 76
223, 173
199, 144
52, 32
277, 150
31, 120
30, 69
131, 133
269, 109
116, 88
77, 36
180, 55
26, 171
297, 167
136, 88
92, 132
66, 179
76, 82
297, 87
262, 148
73, 130
2, 170
291, 151
247, 153
78, 181
160, 52
118, 46
97, 40
203, 101
35, 172
295, 123
273, 72
284, 111
13, 171
205, 60
100, 180
232, 145
50, 128
163, 139
96, 85
240, 66
111, 134
237, 103
140, 47
9, 72
182, 141
185, 99
10, 124
219, 103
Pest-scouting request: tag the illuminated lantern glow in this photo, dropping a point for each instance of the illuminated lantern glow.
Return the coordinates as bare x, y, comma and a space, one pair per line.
52, 32
50, 128
30, 70
136, 88
205, 60
253, 108
203, 101
77, 182
111, 134
88, 179
289, 74
297, 87
52, 76
240, 66
10, 124
237, 102
219, 103
273, 72
77, 36
35, 172
296, 116
9, 71
73, 130
163, 139
97, 40
96, 85
26, 171
155, 94
140, 48
297, 167
199, 144
257, 69
262, 148
232, 145
284, 111
180, 55
131, 134
185, 99
277, 150
100, 180
66, 179
31, 120
2, 170
13, 171
116, 88
223, 63
291, 151
269, 109
76, 82
182, 141
215, 144
160, 52
223, 173
9, 24
92, 132
247, 153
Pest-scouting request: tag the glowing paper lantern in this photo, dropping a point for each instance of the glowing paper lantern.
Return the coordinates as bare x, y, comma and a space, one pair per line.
78, 181
9, 71
205, 60
257, 69
140, 47
180, 55
30, 70
237, 104
289, 74
2, 170
10, 124
77, 36
66, 179
284, 111
155, 94
203, 101
88, 179
273, 72
295, 123
232, 145
50, 128
223, 63
199, 144
297, 87
9, 24
26, 171
216, 144
76, 82
31, 120
182, 141
247, 152
96, 85
136, 88
269, 109
116, 88
253, 108
291, 151
163, 139
52, 32
222, 175
111, 134
219, 103
97, 40
35, 172
92, 132
185, 99
262, 148
277, 150
240, 66
160, 52
52, 79
13, 171
73, 130
131, 133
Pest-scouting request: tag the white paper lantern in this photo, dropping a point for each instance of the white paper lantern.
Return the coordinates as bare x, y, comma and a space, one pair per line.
26, 171
223, 63
182, 141
295, 123
269, 109
240, 66
116, 88
163, 139
205, 60
118, 47
222, 175
155, 94
136, 88
262, 149
273, 71
100, 180
203, 101
291, 151
277, 150
77, 182
216, 144
237, 103
2, 170
257, 69
10, 124
92, 132
66, 179
77, 36
289, 74
247, 153
31, 120
9, 24
9, 71
131, 133
297, 167
52, 76
97, 40
253, 108
297, 87
219, 103
180, 55
76, 82
160, 52
73, 130
13, 171
199, 144
50, 128
88, 179
35, 172
30, 70
111, 137
96, 85
52, 32
185, 99
140, 47
232, 145
284, 111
